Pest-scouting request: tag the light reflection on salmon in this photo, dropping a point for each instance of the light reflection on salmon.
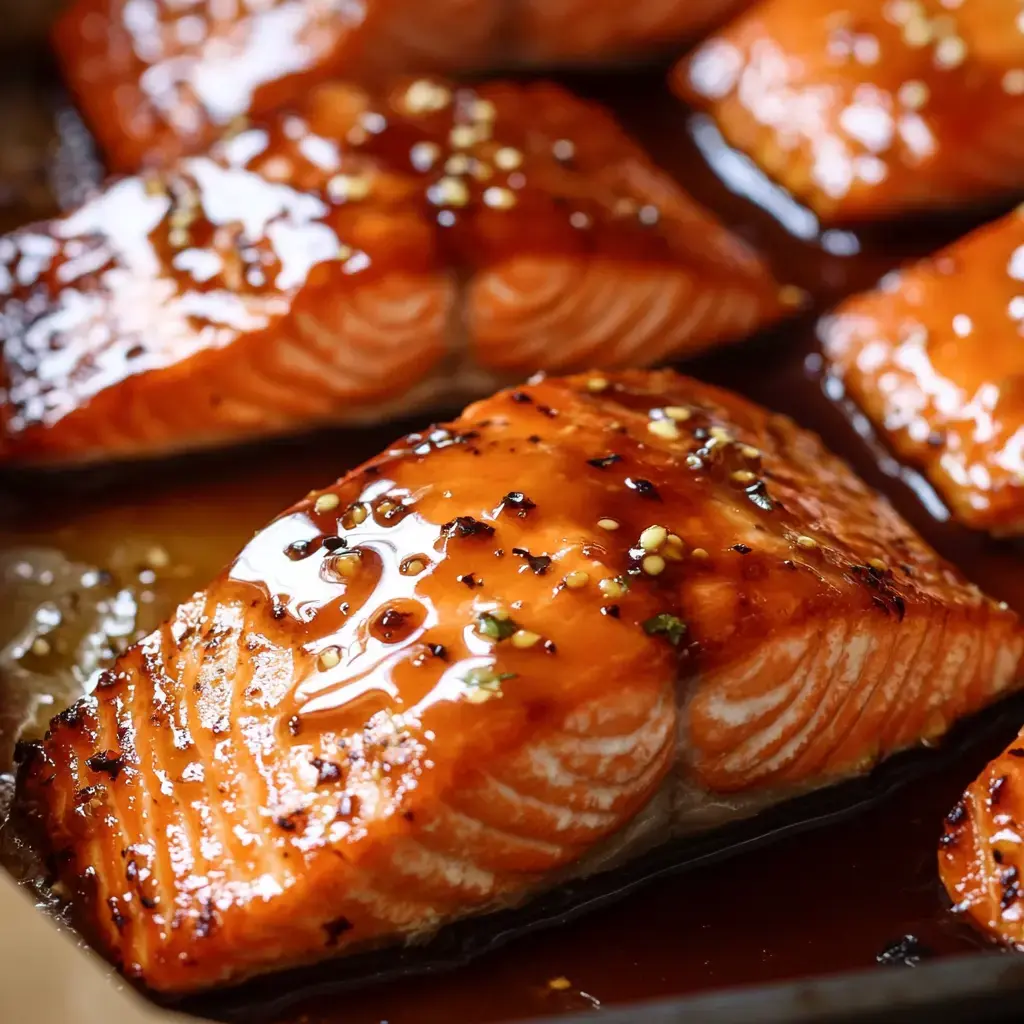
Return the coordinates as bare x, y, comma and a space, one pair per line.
933, 356
586, 616
158, 78
867, 109
356, 258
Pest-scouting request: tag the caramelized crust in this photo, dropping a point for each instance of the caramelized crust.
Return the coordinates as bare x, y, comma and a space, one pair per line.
980, 852
866, 109
161, 78
458, 674
355, 257
933, 356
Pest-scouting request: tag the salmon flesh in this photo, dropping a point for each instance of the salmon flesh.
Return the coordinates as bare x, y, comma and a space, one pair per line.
587, 616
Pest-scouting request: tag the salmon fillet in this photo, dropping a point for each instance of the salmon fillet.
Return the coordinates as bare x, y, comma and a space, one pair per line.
588, 615
163, 78
933, 356
864, 109
980, 857
355, 257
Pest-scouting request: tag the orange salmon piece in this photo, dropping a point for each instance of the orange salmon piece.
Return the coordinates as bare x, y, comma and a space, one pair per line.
354, 258
588, 615
980, 856
163, 78
932, 355
866, 110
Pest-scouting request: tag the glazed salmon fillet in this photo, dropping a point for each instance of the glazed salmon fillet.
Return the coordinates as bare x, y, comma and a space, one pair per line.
356, 258
864, 109
589, 615
933, 356
163, 78
980, 857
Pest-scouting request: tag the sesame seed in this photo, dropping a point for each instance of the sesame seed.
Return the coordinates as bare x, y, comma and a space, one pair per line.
508, 159
357, 514
564, 150
653, 565
457, 164
611, 587
329, 658
344, 253
597, 384
877, 563
481, 171
673, 548
917, 32
1013, 82
678, 413
913, 94
608, 524
808, 543
449, 192
462, 136
791, 296
483, 110
653, 537
665, 429
384, 507
412, 567
153, 186
720, 434
344, 187
499, 198
423, 96
750, 452
326, 503
559, 984
577, 579
523, 638
40, 647
178, 237
157, 558
346, 565
699, 553
743, 476
424, 155
950, 52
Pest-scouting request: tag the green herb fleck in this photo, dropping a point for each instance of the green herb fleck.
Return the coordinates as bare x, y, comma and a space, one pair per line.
485, 678
497, 629
667, 625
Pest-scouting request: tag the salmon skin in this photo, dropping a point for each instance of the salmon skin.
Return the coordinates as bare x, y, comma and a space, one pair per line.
589, 615
865, 110
158, 84
932, 355
980, 856
354, 258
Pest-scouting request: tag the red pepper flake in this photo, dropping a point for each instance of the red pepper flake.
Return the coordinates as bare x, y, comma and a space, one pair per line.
466, 526
518, 500
326, 771
336, 928
538, 563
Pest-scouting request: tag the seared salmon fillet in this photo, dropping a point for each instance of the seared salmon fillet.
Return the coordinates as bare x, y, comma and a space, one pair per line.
165, 78
588, 615
354, 257
864, 109
933, 356
980, 852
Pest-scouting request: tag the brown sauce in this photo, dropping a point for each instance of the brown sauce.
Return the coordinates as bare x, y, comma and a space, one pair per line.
819, 902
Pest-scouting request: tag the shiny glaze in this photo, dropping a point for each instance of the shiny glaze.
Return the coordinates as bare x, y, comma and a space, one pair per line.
158, 79
981, 851
355, 258
330, 734
933, 356
865, 109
